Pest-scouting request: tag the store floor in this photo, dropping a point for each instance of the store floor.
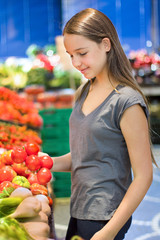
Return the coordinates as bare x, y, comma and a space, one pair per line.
146, 219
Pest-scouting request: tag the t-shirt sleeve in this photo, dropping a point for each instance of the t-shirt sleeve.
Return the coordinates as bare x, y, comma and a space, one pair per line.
126, 101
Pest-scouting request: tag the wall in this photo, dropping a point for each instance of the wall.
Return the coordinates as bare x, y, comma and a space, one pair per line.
24, 22
132, 18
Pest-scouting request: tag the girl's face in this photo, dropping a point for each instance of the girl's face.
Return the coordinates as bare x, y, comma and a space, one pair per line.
87, 56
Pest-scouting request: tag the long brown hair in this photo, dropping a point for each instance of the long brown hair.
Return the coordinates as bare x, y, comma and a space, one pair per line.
95, 26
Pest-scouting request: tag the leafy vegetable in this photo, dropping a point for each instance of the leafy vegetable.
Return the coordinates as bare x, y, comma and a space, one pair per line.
11, 229
9, 205
6, 192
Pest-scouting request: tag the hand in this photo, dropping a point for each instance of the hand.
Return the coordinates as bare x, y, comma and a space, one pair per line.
40, 154
101, 235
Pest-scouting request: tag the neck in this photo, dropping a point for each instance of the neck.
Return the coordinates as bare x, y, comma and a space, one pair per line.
104, 82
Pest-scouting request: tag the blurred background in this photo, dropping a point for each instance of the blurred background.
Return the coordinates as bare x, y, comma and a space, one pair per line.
37, 80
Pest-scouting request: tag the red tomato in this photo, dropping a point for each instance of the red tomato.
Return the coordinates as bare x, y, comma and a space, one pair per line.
33, 162
9, 168
33, 178
36, 188
6, 157
18, 154
32, 148
50, 201
21, 169
44, 175
46, 161
7, 174
1, 164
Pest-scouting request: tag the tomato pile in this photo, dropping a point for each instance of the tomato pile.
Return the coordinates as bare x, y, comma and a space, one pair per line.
14, 135
22, 167
17, 109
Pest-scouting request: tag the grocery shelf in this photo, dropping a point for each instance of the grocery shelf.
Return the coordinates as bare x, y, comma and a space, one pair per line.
153, 93
150, 91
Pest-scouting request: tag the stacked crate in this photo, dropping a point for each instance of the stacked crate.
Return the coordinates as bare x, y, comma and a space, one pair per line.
55, 142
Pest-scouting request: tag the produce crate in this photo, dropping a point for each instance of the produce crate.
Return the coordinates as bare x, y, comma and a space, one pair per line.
62, 194
55, 147
55, 117
55, 132
61, 184
62, 175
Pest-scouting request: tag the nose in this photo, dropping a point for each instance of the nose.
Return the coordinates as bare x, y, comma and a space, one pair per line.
76, 62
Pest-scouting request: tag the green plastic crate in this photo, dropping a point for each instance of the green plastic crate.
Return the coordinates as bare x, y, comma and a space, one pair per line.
55, 132
55, 110
57, 143
56, 152
55, 147
62, 176
61, 184
62, 194
55, 117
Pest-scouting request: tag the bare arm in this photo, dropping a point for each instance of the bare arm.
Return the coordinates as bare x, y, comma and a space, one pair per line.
62, 163
135, 130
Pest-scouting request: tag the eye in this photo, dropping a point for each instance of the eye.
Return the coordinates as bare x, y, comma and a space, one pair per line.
82, 54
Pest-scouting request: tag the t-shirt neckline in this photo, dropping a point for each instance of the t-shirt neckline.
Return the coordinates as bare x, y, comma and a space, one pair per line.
100, 105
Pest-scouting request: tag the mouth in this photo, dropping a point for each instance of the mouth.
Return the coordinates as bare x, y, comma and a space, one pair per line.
83, 70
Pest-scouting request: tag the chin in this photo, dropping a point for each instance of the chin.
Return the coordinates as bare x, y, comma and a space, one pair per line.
89, 76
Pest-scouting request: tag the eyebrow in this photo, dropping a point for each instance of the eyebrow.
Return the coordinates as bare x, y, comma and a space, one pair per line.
78, 49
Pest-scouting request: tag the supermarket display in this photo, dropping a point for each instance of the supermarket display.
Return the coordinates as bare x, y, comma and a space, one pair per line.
42, 67
17, 127
19, 120
62, 98
17, 109
22, 163
14, 135
24, 197
27, 213
146, 66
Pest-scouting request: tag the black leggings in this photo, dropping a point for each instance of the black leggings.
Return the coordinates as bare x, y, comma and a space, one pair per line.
87, 228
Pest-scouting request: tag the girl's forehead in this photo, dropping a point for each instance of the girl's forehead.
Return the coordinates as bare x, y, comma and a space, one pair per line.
75, 42
75, 38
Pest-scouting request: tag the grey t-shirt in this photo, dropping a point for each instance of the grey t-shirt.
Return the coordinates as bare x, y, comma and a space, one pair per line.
101, 170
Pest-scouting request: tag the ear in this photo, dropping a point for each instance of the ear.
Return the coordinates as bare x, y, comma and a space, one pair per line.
107, 44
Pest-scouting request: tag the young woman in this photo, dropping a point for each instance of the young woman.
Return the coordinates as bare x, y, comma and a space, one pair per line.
109, 133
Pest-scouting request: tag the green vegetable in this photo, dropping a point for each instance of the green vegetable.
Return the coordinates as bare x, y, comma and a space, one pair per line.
11, 229
64, 78
37, 76
9, 205
21, 181
6, 192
